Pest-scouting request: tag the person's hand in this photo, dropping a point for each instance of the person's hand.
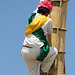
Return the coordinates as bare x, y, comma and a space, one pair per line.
49, 16
41, 0
21, 54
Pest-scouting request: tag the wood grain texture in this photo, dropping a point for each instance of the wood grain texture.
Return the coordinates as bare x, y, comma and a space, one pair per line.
57, 38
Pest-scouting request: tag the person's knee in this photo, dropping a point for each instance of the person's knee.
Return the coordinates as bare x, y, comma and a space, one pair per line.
56, 51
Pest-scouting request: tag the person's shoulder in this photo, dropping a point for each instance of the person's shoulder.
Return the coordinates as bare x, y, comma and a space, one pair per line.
37, 14
49, 20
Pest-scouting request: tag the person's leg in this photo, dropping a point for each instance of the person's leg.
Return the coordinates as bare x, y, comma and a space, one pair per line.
48, 61
32, 64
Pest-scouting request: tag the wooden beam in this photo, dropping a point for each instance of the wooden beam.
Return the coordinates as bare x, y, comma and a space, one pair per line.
63, 52
63, 29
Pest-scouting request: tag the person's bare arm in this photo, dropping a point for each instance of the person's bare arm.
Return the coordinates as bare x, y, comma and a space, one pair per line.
37, 8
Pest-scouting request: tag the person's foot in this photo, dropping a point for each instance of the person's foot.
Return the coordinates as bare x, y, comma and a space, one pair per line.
44, 73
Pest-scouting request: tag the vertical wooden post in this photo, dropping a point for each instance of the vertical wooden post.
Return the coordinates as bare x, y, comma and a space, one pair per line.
57, 38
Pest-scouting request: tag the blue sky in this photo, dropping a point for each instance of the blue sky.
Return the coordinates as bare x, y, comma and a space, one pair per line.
13, 21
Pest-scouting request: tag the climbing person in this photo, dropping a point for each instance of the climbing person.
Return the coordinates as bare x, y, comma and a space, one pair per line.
36, 50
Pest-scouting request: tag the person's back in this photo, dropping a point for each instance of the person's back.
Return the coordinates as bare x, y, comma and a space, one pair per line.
47, 29
35, 47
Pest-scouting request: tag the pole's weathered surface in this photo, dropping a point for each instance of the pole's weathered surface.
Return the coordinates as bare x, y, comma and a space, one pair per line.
57, 38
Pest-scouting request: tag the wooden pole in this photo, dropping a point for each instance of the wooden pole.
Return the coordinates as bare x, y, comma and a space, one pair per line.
57, 38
